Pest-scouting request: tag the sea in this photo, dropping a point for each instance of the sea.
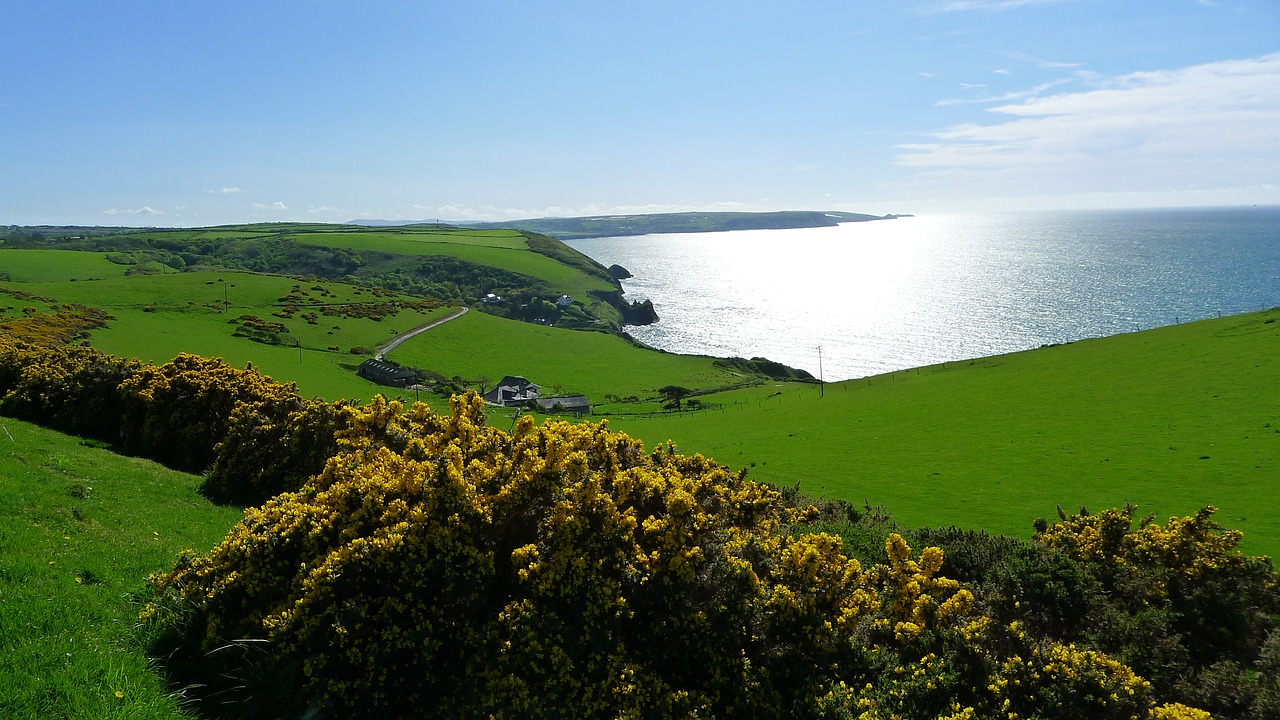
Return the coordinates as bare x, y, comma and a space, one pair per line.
866, 298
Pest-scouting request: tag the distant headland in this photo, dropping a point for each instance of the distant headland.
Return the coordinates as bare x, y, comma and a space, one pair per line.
687, 222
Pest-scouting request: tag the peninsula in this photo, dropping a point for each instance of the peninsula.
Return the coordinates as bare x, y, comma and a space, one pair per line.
572, 228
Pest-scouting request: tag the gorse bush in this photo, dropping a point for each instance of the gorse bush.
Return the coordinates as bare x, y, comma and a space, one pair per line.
73, 389
256, 437
439, 567
556, 571
1179, 603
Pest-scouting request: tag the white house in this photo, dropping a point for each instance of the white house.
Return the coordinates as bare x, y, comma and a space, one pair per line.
512, 390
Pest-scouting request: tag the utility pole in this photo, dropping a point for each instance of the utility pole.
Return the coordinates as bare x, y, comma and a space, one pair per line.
822, 385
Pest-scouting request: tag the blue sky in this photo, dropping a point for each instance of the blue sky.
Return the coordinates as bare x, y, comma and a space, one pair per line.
199, 113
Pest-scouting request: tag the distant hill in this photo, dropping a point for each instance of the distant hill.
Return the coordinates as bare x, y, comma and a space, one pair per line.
689, 222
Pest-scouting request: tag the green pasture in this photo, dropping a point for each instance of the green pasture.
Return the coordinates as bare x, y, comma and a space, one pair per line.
80, 530
504, 250
561, 361
158, 316
410, 241
1170, 419
31, 266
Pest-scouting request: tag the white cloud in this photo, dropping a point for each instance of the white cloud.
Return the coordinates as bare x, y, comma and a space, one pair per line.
226, 191
1204, 126
142, 211
1005, 97
1041, 62
968, 5
273, 206
279, 206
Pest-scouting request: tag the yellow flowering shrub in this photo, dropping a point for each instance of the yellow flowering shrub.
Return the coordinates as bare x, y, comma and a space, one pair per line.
439, 566
1178, 602
916, 598
1057, 680
178, 412
273, 445
71, 388
1178, 711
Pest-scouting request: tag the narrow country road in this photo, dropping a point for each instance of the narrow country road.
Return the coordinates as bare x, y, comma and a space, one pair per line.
395, 341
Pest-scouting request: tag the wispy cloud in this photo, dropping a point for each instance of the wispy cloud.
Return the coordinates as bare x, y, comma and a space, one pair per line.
226, 191
142, 211
1210, 125
1004, 97
1041, 62
984, 5
273, 206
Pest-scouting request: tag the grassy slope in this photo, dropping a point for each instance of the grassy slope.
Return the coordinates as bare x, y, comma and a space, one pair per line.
1170, 419
996, 443
80, 529
158, 316
496, 248
562, 361
187, 316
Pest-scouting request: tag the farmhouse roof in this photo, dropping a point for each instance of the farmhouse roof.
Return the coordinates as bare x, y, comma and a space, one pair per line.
577, 404
512, 389
385, 373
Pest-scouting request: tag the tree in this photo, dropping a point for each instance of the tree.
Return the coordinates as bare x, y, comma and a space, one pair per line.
672, 395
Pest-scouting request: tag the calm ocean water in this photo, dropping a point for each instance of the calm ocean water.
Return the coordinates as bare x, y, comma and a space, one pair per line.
894, 294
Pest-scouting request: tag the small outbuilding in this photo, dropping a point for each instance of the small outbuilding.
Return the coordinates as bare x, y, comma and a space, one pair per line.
386, 373
576, 404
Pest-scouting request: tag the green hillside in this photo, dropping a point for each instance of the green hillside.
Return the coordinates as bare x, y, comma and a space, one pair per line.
1170, 419
155, 317
80, 529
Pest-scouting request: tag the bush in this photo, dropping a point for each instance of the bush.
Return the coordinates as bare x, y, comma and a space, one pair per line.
558, 571
272, 446
179, 412
72, 389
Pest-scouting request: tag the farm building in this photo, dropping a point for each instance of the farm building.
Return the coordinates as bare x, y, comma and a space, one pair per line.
512, 390
576, 404
385, 373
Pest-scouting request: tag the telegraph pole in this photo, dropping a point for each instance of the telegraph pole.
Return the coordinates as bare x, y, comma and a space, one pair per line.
822, 385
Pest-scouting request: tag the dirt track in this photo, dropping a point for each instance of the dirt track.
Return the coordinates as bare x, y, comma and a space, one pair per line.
395, 341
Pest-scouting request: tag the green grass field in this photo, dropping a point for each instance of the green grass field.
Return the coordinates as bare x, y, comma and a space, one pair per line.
80, 529
159, 316
561, 361
1170, 419
500, 249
